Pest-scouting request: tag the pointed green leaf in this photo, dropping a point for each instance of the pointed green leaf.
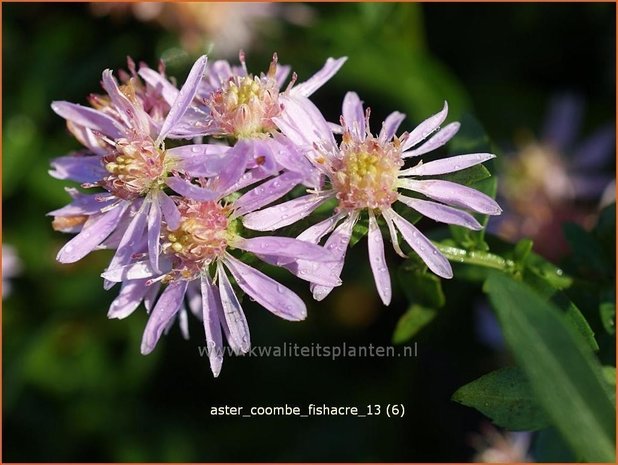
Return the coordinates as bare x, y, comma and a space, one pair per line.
506, 397
564, 374
415, 319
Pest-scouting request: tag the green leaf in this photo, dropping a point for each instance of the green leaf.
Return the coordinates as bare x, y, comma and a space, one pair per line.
421, 287
589, 256
506, 397
610, 376
607, 310
415, 319
472, 137
550, 447
564, 375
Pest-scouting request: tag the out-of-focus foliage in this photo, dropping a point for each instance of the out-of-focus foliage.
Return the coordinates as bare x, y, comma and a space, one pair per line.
76, 387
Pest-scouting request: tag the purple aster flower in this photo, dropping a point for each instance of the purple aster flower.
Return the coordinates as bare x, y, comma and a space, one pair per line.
127, 158
366, 173
237, 105
196, 262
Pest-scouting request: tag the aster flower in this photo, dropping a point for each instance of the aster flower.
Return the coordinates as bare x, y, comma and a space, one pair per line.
236, 105
555, 178
196, 261
366, 173
128, 159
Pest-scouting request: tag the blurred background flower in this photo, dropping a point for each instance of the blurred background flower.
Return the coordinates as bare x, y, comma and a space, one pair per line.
11, 267
75, 387
557, 177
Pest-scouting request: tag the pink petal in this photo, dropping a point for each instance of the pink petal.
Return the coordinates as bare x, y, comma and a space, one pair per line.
425, 249
454, 194
132, 239
199, 160
316, 232
285, 247
137, 270
82, 204
378, 261
266, 193
437, 140
129, 298
165, 310
184, 98
154, 233
390, 125
337, 243
212, 326
266, 291
353, 114
424, 129
78, 168
316, 81
447, 165
185, 188
91, 235
89, 118
283, 214
234, 316
442, 213
303, 123
159, 82
170, 211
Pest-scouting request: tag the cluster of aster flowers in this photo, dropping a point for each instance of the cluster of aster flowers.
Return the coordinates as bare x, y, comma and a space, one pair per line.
184, 180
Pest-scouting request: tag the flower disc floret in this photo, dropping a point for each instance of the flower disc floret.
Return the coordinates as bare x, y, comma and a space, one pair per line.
245, 105
203, 235
365, 174
135, 167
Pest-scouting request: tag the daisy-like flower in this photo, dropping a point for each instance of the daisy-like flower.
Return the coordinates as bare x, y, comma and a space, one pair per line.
237, 105
196, 261
366, 173
127, 158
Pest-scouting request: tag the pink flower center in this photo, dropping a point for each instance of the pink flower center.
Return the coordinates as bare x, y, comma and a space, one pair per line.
365, 175
203, 235
245, 105
135, 167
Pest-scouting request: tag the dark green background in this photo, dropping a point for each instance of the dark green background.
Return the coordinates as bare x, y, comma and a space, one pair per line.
75, 387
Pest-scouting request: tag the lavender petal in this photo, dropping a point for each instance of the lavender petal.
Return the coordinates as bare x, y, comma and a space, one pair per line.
447, 165
423, 130
316, 81
78, 168
89, 118
442, 213
130, 296
234, 316
378, 261
437, 140
212, 326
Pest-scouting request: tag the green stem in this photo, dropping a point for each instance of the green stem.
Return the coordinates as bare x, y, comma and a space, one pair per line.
477, 257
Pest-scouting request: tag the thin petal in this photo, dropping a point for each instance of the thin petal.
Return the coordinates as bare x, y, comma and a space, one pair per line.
310, 271
89, 118
447, 165
91, 235
337, 243
266, 291
285, 247
390, 125
78, 168
151, 296
127, 110
137, 270
170, 211
437, 140
266, 193
316, 81
425, 249
132, 239
394, 236
129, 298
184, 98
165, 310
442, 213
423, 130
82, 204
185, 188
283, 214
154, 231
454, 194
199, 160
315, 233
159, 82
234, 316
212, 326
353, 114
378, 261
303, 123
